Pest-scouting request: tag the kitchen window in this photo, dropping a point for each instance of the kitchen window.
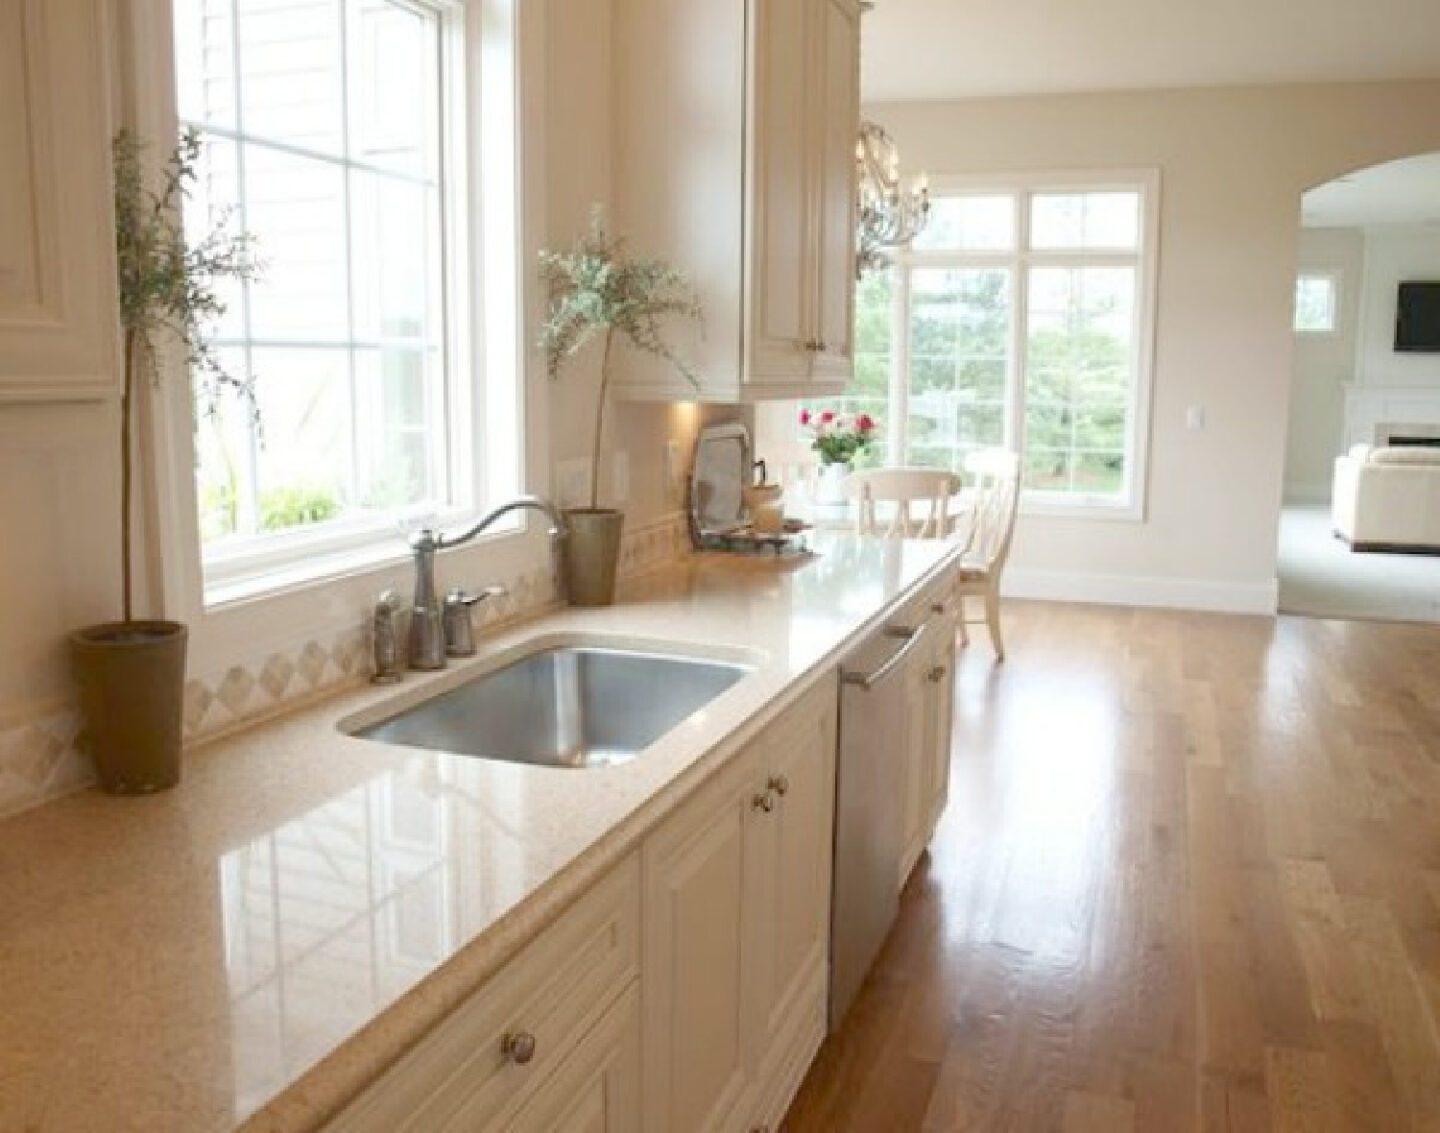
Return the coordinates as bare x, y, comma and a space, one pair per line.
1022, 316
334, 132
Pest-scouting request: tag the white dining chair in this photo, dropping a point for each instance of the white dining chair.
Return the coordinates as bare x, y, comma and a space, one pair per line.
989, 529
900, 492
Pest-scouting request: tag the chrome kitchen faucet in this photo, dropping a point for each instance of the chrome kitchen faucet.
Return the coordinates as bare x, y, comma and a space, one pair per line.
427, 616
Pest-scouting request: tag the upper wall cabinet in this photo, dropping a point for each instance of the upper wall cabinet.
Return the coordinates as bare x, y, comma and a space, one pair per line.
735, 127
57, 274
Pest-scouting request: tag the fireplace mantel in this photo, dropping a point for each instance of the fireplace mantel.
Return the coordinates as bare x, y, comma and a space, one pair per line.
1369, 408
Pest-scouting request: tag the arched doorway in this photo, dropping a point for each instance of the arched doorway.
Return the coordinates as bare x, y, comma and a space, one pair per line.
1363, 443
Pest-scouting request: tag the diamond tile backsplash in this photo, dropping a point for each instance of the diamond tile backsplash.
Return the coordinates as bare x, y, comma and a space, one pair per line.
39, 758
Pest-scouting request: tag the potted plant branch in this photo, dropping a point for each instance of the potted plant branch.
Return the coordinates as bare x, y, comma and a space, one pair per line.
595, 289
131, 673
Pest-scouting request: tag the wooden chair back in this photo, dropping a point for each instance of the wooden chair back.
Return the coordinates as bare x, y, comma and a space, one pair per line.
931, 489
996, 473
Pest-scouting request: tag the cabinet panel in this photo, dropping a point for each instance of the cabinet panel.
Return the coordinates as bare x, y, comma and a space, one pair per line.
940, 718
729, 156
696, 916
779, 327
913, 761
597, 1090
57, 275
679, 154
459, 1075
799, 763
839, 73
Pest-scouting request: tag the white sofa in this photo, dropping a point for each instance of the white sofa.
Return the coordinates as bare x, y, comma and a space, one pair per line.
1388, 499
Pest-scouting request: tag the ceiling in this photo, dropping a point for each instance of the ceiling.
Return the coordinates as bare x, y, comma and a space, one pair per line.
1399, 192
938, 49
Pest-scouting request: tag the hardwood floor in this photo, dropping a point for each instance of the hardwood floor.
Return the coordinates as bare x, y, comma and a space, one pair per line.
1188, 879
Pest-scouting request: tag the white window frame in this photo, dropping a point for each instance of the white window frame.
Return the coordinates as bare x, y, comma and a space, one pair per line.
1019, 259
1332, 276
497, 234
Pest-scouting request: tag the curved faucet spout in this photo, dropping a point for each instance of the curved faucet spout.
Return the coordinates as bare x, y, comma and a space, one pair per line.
427, 647
558, 528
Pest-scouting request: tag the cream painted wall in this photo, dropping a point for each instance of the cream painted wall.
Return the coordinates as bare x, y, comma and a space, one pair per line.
1393, 254
1233, 164
1323, 363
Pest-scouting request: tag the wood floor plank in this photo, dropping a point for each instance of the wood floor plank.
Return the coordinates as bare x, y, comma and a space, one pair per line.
1297, 1085
1188, 880
1095, 1113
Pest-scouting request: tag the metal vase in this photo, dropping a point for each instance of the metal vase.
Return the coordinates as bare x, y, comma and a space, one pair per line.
132, 686
591, 553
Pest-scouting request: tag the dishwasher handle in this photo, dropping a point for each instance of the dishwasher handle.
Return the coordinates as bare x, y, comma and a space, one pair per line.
913, 635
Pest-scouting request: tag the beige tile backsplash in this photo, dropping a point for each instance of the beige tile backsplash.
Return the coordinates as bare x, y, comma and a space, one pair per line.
40, 758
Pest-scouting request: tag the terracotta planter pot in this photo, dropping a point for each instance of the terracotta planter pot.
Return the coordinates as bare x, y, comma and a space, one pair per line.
591, 553
132, 686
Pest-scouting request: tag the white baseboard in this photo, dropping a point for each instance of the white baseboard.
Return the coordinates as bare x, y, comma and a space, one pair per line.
1307, 493
1134, 590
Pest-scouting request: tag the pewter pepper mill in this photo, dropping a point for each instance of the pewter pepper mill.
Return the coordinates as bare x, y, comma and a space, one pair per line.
385, 640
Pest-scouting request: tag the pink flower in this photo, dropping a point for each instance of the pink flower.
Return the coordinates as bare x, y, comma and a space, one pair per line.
804, 416
864, 422
827, 417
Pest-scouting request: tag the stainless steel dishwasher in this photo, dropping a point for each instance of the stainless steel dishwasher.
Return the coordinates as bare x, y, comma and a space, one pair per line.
868, 814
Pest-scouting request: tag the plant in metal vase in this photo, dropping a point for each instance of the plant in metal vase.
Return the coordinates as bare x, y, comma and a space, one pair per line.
597, 290
131, 673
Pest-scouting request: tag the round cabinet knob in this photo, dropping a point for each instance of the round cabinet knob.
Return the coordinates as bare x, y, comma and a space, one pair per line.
937, 674
518, 1047
779, 784
765, 802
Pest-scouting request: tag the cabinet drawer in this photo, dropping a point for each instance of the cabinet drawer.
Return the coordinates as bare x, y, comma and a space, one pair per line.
460, 1076
938, 597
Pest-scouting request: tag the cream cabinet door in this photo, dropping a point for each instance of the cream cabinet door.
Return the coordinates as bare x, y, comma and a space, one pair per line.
939, 718
779, 328
912, 763
597, 1088
57, 261
792, 869
697, 918
836, 60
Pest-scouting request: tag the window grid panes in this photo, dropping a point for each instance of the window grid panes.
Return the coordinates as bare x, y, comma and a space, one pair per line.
321, 122
1036, 345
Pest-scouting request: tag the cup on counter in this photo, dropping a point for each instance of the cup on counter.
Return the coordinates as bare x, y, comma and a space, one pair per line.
768, 519
767, 514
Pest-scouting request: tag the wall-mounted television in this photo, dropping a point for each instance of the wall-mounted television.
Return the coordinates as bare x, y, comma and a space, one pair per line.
1417, 317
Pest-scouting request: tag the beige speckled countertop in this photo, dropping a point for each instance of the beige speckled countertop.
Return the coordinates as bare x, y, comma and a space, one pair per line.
254, 946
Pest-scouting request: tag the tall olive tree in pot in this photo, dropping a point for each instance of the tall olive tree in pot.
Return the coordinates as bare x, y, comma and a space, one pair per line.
595, 289
131, 673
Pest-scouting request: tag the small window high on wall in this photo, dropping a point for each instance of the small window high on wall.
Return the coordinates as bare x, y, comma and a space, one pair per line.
1317, 302
1021, 317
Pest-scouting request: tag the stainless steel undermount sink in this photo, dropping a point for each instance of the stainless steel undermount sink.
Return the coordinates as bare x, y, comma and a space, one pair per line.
564, 706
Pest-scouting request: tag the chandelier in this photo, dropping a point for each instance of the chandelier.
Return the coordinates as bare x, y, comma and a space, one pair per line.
889, 215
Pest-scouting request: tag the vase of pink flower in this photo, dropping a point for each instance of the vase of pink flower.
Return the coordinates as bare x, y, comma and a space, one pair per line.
838, 438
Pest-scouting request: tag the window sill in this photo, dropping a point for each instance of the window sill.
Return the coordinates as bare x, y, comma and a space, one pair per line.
1086, 510
322, 565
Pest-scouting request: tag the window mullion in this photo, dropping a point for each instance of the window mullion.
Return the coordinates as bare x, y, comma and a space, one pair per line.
897, 396
247, 484
1019, 327
347, 195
